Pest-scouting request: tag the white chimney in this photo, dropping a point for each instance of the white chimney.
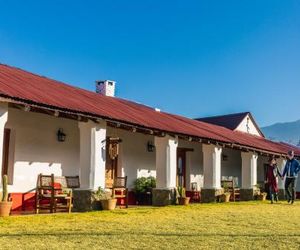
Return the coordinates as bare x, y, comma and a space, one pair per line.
106, 87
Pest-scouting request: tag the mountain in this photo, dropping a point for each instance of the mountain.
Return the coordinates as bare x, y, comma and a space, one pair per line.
287, 132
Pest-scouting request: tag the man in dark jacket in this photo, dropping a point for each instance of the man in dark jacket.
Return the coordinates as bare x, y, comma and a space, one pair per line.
291, 170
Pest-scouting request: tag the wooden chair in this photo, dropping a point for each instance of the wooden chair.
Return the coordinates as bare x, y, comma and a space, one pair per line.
55, 192
228, 186
45, 193
119, 189
63, 197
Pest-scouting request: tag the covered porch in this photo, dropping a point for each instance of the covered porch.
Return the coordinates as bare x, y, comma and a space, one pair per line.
31, 146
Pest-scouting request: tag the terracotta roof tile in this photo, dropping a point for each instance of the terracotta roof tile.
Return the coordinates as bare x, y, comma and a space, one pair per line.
33, 89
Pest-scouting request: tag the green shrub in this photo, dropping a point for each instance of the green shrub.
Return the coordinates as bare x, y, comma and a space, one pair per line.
143, 184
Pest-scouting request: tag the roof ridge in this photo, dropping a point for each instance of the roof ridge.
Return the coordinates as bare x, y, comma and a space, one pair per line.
232, 114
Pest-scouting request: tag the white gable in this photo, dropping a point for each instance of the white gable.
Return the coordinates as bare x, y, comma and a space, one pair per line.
248, 126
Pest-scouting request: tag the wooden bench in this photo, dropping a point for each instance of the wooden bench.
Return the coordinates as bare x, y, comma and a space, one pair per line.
55, 192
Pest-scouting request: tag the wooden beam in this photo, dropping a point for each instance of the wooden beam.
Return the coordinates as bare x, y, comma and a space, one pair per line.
47, 112
186, 149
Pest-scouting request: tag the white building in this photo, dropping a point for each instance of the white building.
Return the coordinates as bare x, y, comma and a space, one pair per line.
34, 109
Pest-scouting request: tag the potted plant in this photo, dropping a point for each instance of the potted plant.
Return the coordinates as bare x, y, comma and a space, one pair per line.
258, 193
182, 199
143, 190
257, 189
108, 202
262, 196
225, 197
5, 204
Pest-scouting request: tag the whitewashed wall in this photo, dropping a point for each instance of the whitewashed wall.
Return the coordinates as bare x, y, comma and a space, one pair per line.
194, 164
134, 160
231, 164
35, 149
250, 128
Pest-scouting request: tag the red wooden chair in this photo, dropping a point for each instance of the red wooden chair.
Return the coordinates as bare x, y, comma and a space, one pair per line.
120, 189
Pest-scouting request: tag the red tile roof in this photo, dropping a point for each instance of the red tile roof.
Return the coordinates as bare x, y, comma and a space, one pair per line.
30, 88
292, 147
230, 121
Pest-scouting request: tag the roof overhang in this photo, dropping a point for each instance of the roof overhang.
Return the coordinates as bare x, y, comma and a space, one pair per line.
31, 106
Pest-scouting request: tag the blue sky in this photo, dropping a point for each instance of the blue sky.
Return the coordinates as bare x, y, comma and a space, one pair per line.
194, 58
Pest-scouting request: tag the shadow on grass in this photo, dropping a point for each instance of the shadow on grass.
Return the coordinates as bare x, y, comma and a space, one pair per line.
86, 234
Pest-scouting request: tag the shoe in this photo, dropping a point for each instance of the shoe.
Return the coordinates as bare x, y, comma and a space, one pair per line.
272, 201
292, 202
289, 200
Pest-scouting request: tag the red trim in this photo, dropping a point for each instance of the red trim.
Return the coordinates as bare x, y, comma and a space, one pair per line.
131, 199
26, 202
23, 202
194, 195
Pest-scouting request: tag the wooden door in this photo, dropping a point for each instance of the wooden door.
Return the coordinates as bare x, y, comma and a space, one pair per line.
110, 170
5, 159
181, 167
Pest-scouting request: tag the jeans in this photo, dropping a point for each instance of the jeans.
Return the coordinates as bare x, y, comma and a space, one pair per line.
273, 194
289, 186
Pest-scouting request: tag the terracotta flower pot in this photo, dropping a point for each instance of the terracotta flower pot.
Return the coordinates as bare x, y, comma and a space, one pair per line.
225, 197
109, 204
184, 201
262, 196
5, 207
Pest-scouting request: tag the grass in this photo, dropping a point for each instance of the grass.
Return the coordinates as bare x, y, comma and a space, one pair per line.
244, 225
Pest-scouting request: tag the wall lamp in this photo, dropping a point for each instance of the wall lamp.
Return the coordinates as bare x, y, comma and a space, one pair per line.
150, 146
61, 136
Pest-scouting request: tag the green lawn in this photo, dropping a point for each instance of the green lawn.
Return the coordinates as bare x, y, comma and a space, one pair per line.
236, 225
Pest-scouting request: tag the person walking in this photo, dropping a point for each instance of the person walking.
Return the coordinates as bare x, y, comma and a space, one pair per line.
271, 178
291, 170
